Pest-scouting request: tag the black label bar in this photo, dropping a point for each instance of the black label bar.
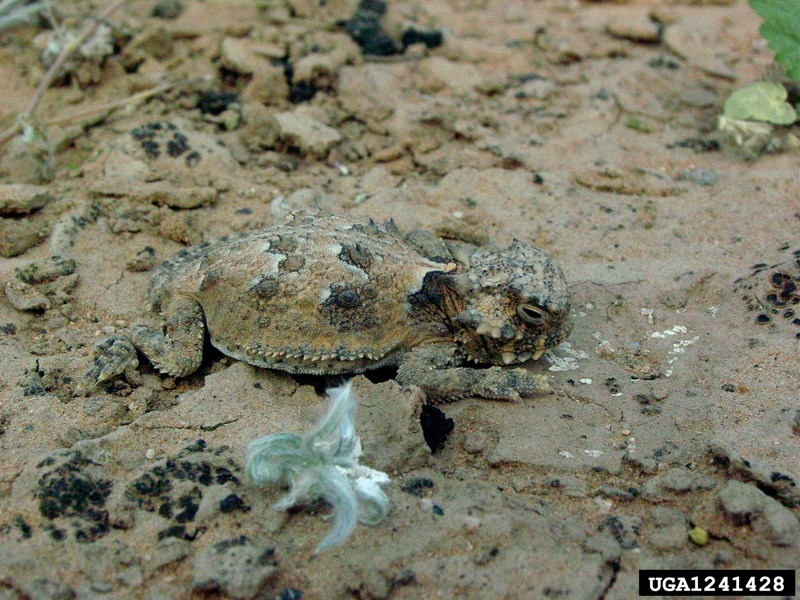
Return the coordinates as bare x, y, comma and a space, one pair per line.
729, 582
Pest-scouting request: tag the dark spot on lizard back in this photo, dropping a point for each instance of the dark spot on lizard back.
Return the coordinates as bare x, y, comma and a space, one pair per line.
265, 288
210, 279
345, 309
344, 296
292, 263
356, 255
369, 291
283, 243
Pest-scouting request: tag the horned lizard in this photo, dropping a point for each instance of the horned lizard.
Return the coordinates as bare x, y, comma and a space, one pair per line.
326, 296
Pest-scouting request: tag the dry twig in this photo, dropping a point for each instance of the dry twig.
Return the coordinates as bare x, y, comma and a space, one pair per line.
140, 97
68, 50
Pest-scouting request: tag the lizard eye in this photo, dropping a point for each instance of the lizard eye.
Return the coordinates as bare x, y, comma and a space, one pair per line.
530, 314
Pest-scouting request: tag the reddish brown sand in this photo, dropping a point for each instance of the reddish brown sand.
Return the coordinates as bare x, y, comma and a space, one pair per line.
585, 128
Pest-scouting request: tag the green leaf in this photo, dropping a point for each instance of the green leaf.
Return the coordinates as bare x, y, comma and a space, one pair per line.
761, 102
781, 29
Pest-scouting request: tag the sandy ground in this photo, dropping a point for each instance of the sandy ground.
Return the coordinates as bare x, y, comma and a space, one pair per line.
584, 128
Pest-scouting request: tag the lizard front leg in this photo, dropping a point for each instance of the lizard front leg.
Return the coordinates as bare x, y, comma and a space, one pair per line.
433, 368
176, 351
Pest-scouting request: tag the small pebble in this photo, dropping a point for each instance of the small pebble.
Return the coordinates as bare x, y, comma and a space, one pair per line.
144, 260
150, 454
471, 523
700, 176
637, 28
290, 594
230, 119
22, 199
475, 442
167, 9
616, 493
699, 536
484, 558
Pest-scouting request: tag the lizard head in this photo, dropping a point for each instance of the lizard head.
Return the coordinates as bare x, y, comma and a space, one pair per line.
515, 304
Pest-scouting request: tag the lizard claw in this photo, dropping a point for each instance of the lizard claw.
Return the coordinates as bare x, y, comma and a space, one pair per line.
112, 357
